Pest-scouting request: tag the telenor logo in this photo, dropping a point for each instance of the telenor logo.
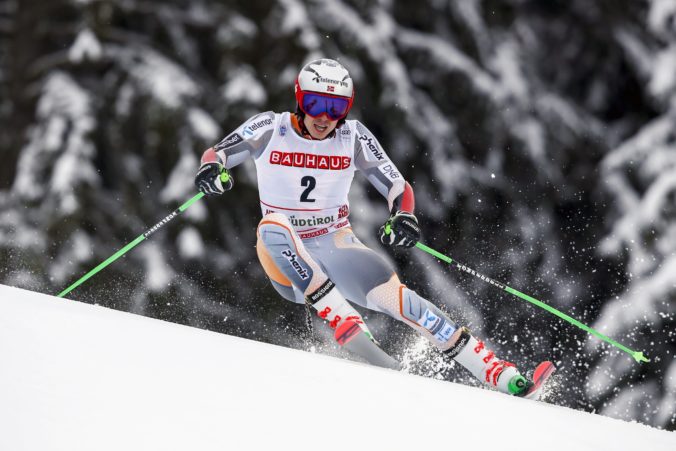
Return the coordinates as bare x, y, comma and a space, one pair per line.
308, 160
249, 129
319, 79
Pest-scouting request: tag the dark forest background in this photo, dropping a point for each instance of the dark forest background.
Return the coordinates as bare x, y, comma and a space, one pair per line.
539, 137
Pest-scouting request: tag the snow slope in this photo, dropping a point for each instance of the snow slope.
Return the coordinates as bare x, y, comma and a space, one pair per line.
79, 377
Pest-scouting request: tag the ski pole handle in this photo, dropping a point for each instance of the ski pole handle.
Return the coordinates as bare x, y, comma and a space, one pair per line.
133, 244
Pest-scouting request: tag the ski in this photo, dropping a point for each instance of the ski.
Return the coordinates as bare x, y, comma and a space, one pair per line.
542, 372
350, 336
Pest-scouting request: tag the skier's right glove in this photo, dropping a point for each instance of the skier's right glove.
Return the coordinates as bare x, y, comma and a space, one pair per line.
213, 179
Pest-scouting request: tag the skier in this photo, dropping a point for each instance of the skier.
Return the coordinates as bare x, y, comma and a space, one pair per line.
305, 164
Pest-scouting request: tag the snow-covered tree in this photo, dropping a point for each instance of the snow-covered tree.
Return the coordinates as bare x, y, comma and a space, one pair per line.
537, 136
641, 175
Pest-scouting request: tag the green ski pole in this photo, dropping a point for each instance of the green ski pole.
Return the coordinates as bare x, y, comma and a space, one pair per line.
131, 245
637, 355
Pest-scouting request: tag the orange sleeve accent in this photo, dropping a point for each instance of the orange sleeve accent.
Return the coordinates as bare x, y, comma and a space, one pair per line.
401, 305
401, 301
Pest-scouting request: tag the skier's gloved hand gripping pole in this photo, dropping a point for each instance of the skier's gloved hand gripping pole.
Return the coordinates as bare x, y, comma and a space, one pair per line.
216, 179
400, 231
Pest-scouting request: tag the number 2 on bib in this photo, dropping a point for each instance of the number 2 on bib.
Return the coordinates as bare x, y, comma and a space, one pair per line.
310, 183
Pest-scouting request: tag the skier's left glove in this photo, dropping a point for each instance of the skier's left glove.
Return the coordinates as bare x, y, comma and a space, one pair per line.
400, 230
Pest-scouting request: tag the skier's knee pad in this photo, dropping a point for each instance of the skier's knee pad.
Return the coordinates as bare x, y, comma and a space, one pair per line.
283, 255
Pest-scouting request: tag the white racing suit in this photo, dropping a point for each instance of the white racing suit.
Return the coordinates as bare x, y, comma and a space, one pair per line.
305, 242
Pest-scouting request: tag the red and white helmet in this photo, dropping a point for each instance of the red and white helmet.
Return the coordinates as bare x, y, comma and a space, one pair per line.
327, 77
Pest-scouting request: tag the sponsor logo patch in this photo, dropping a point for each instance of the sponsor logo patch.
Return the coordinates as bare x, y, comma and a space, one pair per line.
438, 326
342, 224
157, 226
389, 171
481, 276
295, 264
345, 134
307, 160
251, 128
320, 292
459, 345
371, 146
429, 320
333, 221
310, 222
229, 141
319, 79
445, 333
324, 231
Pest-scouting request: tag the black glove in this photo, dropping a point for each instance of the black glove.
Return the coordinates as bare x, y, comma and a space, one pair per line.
213, 179
400, 230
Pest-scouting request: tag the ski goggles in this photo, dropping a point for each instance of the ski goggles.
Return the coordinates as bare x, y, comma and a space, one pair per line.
315, 104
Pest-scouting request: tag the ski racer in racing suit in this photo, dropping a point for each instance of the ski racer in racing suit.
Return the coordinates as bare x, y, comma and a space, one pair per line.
305, 163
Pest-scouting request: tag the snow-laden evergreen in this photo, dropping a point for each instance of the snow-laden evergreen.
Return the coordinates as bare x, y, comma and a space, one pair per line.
640, 173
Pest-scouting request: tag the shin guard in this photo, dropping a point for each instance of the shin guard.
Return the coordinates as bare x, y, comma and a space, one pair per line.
419, 313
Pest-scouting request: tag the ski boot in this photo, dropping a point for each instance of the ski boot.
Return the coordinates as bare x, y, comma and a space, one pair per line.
524, 388
499, 374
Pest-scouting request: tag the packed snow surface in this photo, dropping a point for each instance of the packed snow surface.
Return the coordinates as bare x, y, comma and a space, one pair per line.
81, 377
